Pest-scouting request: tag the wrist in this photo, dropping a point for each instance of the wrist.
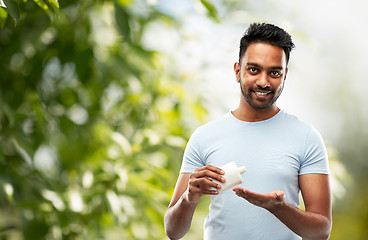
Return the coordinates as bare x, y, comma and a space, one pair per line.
189, 198
277, 208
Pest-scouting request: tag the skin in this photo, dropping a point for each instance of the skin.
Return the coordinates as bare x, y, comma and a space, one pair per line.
261, 75
262, 70
188, 191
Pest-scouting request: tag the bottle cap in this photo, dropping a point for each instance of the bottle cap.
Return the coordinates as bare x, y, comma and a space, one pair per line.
242, 170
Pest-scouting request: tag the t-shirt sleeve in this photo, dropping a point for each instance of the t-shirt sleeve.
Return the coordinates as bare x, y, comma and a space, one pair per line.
315, 159
192, 157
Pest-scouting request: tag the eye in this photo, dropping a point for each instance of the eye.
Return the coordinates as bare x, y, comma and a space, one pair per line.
276, 74
252, 70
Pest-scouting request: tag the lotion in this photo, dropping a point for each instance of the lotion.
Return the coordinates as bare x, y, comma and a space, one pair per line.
232, 175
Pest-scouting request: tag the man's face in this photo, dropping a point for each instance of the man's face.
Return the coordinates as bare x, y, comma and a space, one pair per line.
261, 74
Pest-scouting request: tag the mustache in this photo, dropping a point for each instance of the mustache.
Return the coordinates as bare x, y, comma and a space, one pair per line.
262, 89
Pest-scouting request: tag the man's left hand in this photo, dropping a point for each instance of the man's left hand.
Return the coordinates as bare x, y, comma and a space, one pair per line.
270, 201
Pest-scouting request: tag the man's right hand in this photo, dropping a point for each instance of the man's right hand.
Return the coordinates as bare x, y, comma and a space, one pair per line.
188, 190
200, 182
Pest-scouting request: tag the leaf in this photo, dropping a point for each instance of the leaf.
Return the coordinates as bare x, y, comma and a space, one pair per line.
54, 2
122, 21
3, 16
41, 4
212, 11
12, 8
53, 5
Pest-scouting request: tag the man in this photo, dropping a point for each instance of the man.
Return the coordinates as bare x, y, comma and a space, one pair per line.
282, 154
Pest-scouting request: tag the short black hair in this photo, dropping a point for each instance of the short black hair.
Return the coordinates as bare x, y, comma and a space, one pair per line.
266, 33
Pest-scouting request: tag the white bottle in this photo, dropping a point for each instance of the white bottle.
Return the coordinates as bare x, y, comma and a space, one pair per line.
232, 176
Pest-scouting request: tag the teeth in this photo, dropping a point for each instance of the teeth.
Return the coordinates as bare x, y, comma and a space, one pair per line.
262, 93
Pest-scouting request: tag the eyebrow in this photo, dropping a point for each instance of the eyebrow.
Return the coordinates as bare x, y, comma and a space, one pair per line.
252, 64
259, 66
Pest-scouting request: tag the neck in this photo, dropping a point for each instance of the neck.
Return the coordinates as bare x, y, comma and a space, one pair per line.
250, 114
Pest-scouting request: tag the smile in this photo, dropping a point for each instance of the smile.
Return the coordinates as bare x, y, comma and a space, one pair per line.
262, 93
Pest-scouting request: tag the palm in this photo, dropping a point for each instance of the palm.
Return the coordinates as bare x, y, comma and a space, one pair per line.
264, 200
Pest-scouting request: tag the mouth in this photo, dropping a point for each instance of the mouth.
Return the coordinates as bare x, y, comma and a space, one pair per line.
262, 94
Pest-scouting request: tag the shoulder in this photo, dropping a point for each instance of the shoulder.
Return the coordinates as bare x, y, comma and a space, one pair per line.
293, 123
298, 130
306, 133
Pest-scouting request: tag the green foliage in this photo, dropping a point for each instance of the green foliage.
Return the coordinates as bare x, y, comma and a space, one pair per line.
11, 7
350, 214
212, 11
92, 126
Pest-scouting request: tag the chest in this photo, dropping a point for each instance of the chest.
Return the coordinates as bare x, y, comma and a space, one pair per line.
272, 161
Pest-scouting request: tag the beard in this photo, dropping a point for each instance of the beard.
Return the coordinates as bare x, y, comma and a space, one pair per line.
247, 95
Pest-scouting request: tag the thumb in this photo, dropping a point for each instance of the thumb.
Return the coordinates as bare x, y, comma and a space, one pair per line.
280, 196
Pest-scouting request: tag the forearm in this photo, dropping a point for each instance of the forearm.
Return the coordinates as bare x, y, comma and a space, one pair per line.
178, 218
306, 224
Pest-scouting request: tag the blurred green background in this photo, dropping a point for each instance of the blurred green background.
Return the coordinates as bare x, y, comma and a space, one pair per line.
98, 99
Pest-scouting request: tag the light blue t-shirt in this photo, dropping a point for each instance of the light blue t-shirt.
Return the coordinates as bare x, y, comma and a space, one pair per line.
274, 151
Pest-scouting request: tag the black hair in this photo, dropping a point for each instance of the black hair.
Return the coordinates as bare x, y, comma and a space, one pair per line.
266, 33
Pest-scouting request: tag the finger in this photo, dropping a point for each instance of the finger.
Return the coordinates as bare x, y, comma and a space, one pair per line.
241, 192
210, 192
204, 183
211, 184
211, 168
237, 188
216, 169
280, 196
245, 192
215, 182
208, 173
252, 197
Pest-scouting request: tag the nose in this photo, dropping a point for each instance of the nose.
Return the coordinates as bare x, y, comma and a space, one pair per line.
262, 81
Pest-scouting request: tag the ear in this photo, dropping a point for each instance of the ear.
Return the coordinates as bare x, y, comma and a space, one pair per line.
237, 71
